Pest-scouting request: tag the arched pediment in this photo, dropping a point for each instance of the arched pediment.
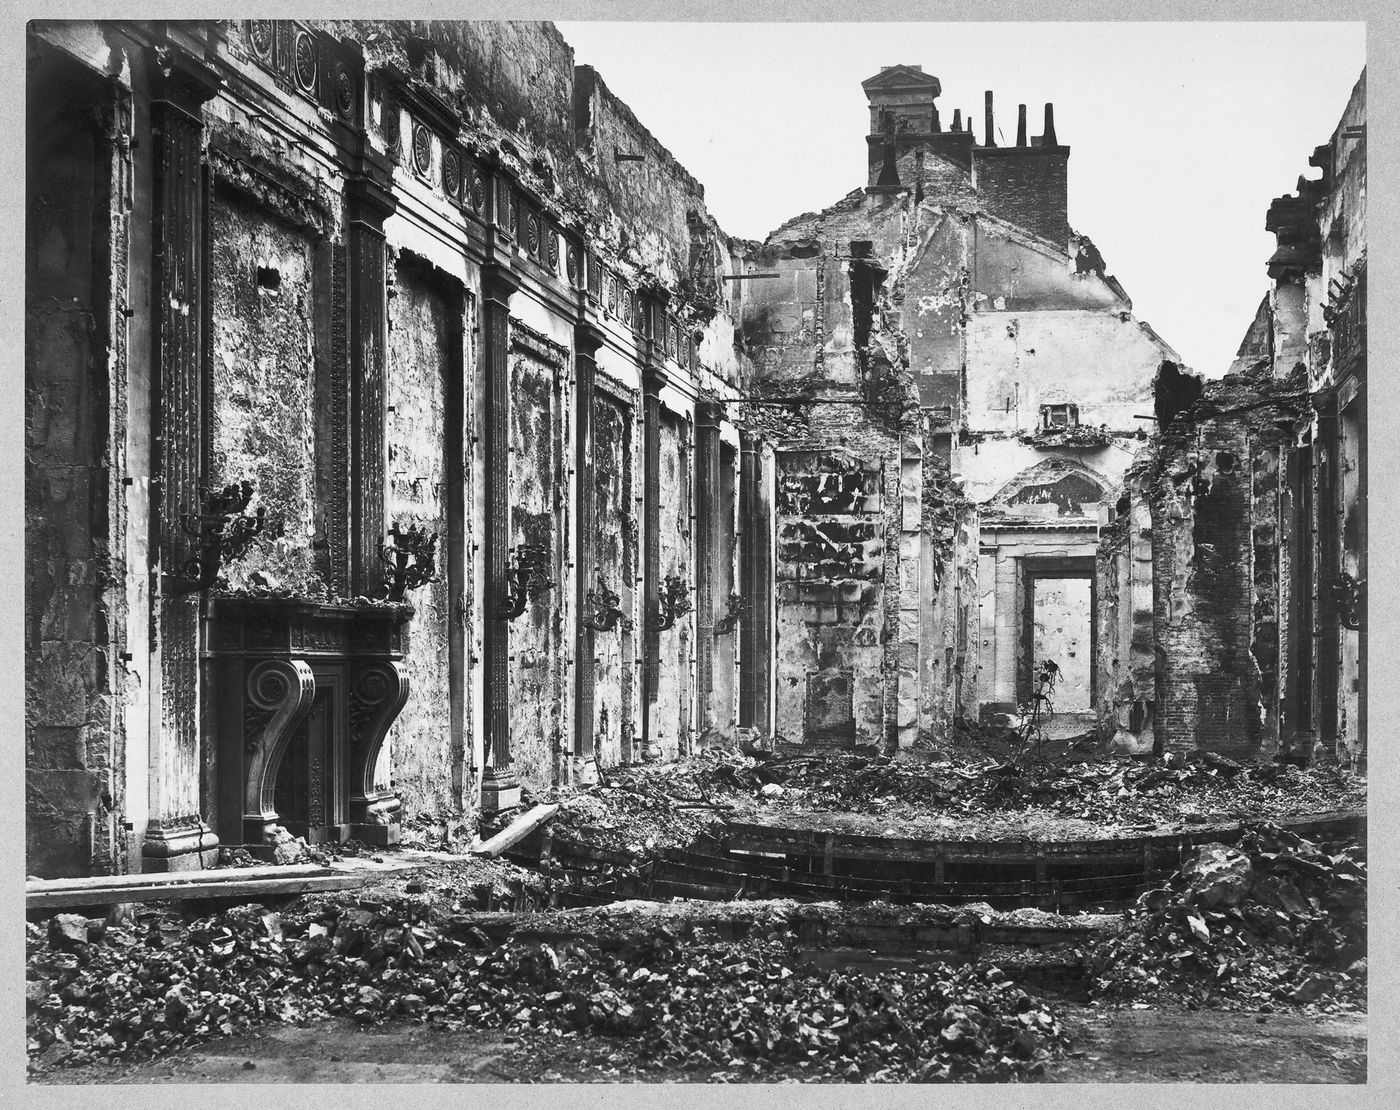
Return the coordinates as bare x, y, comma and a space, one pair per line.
1054, 487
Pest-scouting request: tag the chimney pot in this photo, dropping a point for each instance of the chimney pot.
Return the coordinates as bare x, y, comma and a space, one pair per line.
987, 115
1048, 139
1021, 125
957, 119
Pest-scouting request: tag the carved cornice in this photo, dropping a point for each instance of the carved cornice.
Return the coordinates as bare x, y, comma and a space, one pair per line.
180, 80
498, 284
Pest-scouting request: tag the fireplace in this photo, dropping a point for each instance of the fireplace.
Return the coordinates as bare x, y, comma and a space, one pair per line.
303, 696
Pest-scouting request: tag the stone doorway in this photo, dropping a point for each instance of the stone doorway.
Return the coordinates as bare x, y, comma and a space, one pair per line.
1060, 622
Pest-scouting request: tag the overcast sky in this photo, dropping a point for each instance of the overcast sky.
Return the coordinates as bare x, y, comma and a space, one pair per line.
1180, 133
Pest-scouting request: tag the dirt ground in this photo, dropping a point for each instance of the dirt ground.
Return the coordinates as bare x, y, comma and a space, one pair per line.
1111, 1046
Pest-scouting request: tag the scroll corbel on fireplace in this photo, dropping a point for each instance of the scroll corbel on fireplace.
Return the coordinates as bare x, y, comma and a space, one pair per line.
305, 694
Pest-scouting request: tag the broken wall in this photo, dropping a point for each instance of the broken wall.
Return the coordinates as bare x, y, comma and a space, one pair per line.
1211, 688
831, 583
1019, 361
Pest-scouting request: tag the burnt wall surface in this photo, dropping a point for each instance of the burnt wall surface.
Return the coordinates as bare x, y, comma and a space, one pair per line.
263, 386
421, 331
1202, 502
831, 591
73, 753
536, 670
616, 561
510, 75
318, 207
641, 205
671, 709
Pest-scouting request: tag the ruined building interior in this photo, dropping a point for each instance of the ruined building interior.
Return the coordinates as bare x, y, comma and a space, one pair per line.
404, 437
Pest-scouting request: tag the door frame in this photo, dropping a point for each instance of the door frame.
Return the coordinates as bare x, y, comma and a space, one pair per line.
1033, 568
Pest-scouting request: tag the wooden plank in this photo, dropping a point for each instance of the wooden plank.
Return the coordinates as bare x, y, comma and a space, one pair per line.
170, 878
166, 892
517, 831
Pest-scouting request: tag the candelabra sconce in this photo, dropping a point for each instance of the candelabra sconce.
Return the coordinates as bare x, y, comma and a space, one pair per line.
223, 531
526, 579
675, 601
1346, 593
606, 614
738, 610
410, 560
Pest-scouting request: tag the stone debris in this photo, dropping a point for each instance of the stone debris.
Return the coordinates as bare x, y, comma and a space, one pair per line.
1073, 793
727, 1010
1280, 921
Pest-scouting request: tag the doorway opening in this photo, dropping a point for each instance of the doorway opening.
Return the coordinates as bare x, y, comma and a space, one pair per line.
1060, 623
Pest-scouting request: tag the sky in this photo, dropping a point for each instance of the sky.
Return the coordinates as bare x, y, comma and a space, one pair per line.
1180, 133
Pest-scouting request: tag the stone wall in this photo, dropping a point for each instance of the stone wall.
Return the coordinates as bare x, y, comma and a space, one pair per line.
74, 744
831, 584
263, 378
616, 559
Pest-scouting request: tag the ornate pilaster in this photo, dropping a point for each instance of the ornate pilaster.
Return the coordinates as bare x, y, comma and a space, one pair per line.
370, 203
587, 340
179, 86
707, 509
754, 575
500, 789
654, 379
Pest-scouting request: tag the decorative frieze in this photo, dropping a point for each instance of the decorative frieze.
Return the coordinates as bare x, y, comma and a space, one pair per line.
309, 63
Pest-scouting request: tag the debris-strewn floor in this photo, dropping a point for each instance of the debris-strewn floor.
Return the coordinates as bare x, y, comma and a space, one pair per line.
732, 1009
768, 989
1069, 792
1110, 1046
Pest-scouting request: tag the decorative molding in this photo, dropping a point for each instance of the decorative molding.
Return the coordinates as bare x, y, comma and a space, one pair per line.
422, 149
304, 61
378, 692
452, 173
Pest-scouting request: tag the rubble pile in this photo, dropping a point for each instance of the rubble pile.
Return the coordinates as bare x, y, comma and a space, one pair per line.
670, 803
1277, 921
725, 1010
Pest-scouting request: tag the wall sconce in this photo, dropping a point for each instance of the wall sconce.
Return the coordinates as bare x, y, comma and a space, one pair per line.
738, 610
675, 601
224, 531
606, 615
1346, 595
410, 560
526, 579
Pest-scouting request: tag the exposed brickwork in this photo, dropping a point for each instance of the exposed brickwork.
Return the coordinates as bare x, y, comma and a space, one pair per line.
1028, 186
